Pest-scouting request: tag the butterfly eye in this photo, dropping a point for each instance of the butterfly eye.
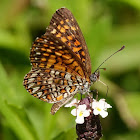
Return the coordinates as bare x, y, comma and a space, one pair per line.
95, 76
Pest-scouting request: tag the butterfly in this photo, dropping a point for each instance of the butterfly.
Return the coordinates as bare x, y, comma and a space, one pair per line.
61, 65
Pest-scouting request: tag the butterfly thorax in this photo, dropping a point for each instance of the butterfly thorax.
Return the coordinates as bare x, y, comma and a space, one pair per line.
85, 88
86, 84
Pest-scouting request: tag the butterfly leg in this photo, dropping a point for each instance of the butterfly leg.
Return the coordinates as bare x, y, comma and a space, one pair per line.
95, 91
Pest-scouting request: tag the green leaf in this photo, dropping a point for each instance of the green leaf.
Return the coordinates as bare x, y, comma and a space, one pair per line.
12, 111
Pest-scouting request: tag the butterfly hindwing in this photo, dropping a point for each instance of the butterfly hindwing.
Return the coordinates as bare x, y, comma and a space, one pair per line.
51, 85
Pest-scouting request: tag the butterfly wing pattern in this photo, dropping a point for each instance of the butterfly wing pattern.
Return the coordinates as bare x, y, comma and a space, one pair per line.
60, 62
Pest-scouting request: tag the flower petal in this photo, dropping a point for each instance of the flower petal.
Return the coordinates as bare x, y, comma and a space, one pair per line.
82, 107
108, 106
102, 103
72, 103
94, 104
80, 120
104, 114
96, 112
86, 113
74, 112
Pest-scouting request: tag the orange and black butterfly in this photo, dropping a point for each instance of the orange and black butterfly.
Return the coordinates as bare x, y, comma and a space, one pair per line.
60, 60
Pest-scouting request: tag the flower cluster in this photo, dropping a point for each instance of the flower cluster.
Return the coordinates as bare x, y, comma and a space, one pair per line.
83, 109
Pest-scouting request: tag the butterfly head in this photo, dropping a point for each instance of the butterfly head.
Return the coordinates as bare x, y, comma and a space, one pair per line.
95, 76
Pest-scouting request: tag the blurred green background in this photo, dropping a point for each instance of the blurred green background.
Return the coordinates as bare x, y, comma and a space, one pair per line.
107, 25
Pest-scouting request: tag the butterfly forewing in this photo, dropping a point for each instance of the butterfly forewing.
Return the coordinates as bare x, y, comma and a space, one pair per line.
49, 52
64, 26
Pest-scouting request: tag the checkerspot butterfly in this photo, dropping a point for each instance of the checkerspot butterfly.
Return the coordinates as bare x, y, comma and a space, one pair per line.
60, 60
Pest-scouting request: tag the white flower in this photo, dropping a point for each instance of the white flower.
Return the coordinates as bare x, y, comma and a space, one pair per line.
80, 112
100, 107
74, 102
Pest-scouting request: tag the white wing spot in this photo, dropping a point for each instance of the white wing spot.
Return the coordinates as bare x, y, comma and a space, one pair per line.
45, 40
39, 94
67, 89
30, 85
53, 85
35, 89
44, 97
65, 95
80, 84
50, 82
53, 31
38, 53
34, 75
59, 47
31, 80
52, 72
41, 74
68, 76
57, 72
38, 71
53, 97
55, 94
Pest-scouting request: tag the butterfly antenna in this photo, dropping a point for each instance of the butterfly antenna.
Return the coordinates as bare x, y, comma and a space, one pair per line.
110, 57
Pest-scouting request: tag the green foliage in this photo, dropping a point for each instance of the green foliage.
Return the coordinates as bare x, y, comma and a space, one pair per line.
107, 25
